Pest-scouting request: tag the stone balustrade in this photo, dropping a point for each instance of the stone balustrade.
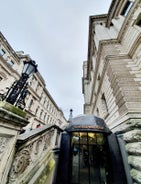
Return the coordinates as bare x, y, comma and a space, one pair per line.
26, 158
34, 160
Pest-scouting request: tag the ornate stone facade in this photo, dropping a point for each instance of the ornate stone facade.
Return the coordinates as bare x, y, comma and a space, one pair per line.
3, 143
112, 77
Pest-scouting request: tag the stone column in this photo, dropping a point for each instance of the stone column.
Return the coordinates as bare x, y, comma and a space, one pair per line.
12, 120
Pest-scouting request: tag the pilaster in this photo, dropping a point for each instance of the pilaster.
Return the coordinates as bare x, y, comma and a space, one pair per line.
10, 125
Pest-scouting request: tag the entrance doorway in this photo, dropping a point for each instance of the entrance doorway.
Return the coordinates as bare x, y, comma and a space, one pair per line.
89, 159
89, 154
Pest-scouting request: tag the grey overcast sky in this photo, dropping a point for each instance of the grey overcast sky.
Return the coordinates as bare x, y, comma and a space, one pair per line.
55, 34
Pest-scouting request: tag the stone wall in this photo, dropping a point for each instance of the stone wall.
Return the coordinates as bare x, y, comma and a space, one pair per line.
130, 132
112, 81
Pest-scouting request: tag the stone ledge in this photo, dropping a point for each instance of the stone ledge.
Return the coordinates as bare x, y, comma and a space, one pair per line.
10, 117
11, 108
36, 132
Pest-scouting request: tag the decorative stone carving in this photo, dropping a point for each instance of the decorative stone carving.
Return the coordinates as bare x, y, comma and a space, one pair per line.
3, 144
47, 139
22, 160
38, 146
28, 157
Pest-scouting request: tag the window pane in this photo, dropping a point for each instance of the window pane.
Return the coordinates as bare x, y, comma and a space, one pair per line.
2, 52
126, 8
11, 63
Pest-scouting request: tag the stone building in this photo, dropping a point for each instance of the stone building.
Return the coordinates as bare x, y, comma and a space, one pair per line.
112, 78
40, 106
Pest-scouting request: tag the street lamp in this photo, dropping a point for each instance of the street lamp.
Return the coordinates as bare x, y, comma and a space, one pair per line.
18, 91
30, 67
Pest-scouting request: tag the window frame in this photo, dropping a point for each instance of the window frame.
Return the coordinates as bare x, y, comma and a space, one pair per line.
10, 62
127, 8
2, 52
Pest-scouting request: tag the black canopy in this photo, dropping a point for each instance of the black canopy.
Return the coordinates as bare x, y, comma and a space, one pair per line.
87, 123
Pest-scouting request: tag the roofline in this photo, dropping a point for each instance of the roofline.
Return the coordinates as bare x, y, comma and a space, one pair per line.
9, 46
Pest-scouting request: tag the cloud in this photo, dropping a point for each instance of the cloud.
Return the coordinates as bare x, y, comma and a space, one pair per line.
55, 34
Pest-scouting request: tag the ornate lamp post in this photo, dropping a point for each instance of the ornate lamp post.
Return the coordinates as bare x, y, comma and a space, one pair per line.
18, 91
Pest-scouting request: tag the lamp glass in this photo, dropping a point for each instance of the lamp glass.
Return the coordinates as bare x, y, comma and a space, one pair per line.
29, 68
